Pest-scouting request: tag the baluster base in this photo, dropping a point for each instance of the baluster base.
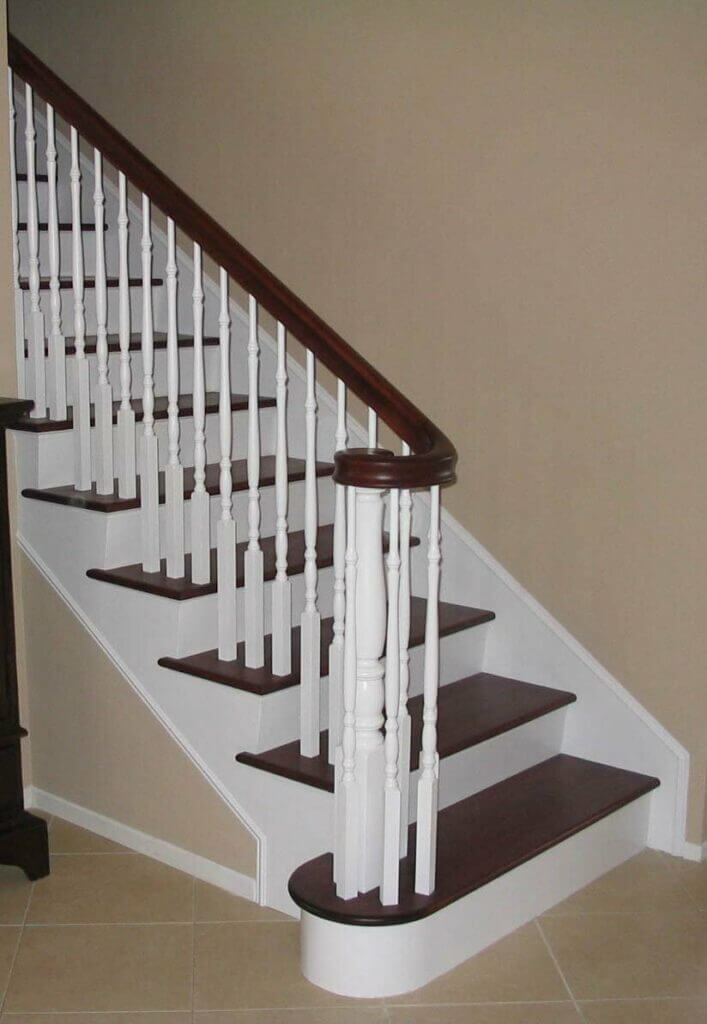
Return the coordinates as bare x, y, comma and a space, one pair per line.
310, 677
127, 474
149, 504
226, 579
174, 520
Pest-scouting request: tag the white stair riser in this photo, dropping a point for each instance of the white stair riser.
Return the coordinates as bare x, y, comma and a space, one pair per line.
67, 309
386, 961
89, 253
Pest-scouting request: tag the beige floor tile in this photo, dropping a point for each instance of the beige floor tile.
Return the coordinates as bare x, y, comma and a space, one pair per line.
15, 889
658, 1011
157, 1017
102, 968
644, 883
9, 937
605, 956
85, 889
516, 969
67, 838
250, 966
693, 877
505, 1013
214, 904
335, 1015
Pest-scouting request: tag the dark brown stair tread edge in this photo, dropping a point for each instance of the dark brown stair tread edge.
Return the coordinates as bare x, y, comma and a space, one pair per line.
88, 282
482, 838
94, 502
239, 403
470, 711
63, 225
182, 588
39, 176
159, 341
453, 618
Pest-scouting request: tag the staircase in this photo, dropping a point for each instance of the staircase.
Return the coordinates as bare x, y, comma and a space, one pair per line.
250, 557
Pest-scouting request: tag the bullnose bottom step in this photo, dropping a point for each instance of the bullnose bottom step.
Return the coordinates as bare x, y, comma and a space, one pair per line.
470, 711
483, 837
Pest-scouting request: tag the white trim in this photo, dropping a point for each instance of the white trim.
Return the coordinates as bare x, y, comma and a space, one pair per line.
159, 849
694, 851
156, 710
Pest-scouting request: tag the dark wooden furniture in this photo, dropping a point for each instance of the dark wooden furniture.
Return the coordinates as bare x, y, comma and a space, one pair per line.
23, 836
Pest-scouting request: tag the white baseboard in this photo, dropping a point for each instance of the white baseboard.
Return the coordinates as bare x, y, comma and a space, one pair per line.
159, 849
694, 851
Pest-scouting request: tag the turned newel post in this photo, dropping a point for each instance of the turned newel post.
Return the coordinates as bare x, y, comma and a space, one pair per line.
23, 837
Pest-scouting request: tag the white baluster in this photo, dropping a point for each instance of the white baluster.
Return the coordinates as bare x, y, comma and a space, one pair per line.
226, 531
253, 567
81, 408
392, 805
19, 303
36, 333
199, 502
149, 470
126, 413
428, 784
57, 349
372, 428
310, 622
336, 648
370, 642
346, 795
174, 471
281, 589
404, 641
104, 395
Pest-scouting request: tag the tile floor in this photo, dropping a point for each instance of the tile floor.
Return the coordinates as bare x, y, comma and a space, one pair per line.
112, 937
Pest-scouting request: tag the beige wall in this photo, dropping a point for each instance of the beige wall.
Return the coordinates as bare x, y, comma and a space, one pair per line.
502, 205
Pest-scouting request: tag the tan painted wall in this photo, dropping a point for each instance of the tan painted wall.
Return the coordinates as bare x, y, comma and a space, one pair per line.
502, 205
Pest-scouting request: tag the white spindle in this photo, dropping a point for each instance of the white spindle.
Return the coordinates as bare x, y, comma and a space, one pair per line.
404, 640
336, 648
36, 334
347, 795
310, 623
372, 428
428, 784
226, 531
57, 349
81, 408
253, 567
370, 642
104, 395
174, 471
199, 502
281, 589
149, 480
126, 413
392, 805
19, 303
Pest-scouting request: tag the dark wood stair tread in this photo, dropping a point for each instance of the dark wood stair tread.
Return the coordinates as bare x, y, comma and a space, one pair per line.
183, 589
39, 176
483, 837
239, 403
452, 619
470, 711
159, 341
94, 502
88, 282
62, 225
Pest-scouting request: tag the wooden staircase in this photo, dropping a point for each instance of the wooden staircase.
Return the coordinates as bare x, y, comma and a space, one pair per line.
522, 822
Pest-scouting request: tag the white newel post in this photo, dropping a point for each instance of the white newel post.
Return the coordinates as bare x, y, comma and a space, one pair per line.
19, 303
226, 530
82, 408
149, 470
392, 801
56, 385
370, 641
404, 640
253, 559
428, 784
336, 648
126, 414
199, 502
310, 621
104, 395
36, 332
346, 795
281, 587
174, 471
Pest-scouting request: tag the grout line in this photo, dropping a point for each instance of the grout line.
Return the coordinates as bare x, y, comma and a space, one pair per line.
17, 948
560, 971
193, 944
